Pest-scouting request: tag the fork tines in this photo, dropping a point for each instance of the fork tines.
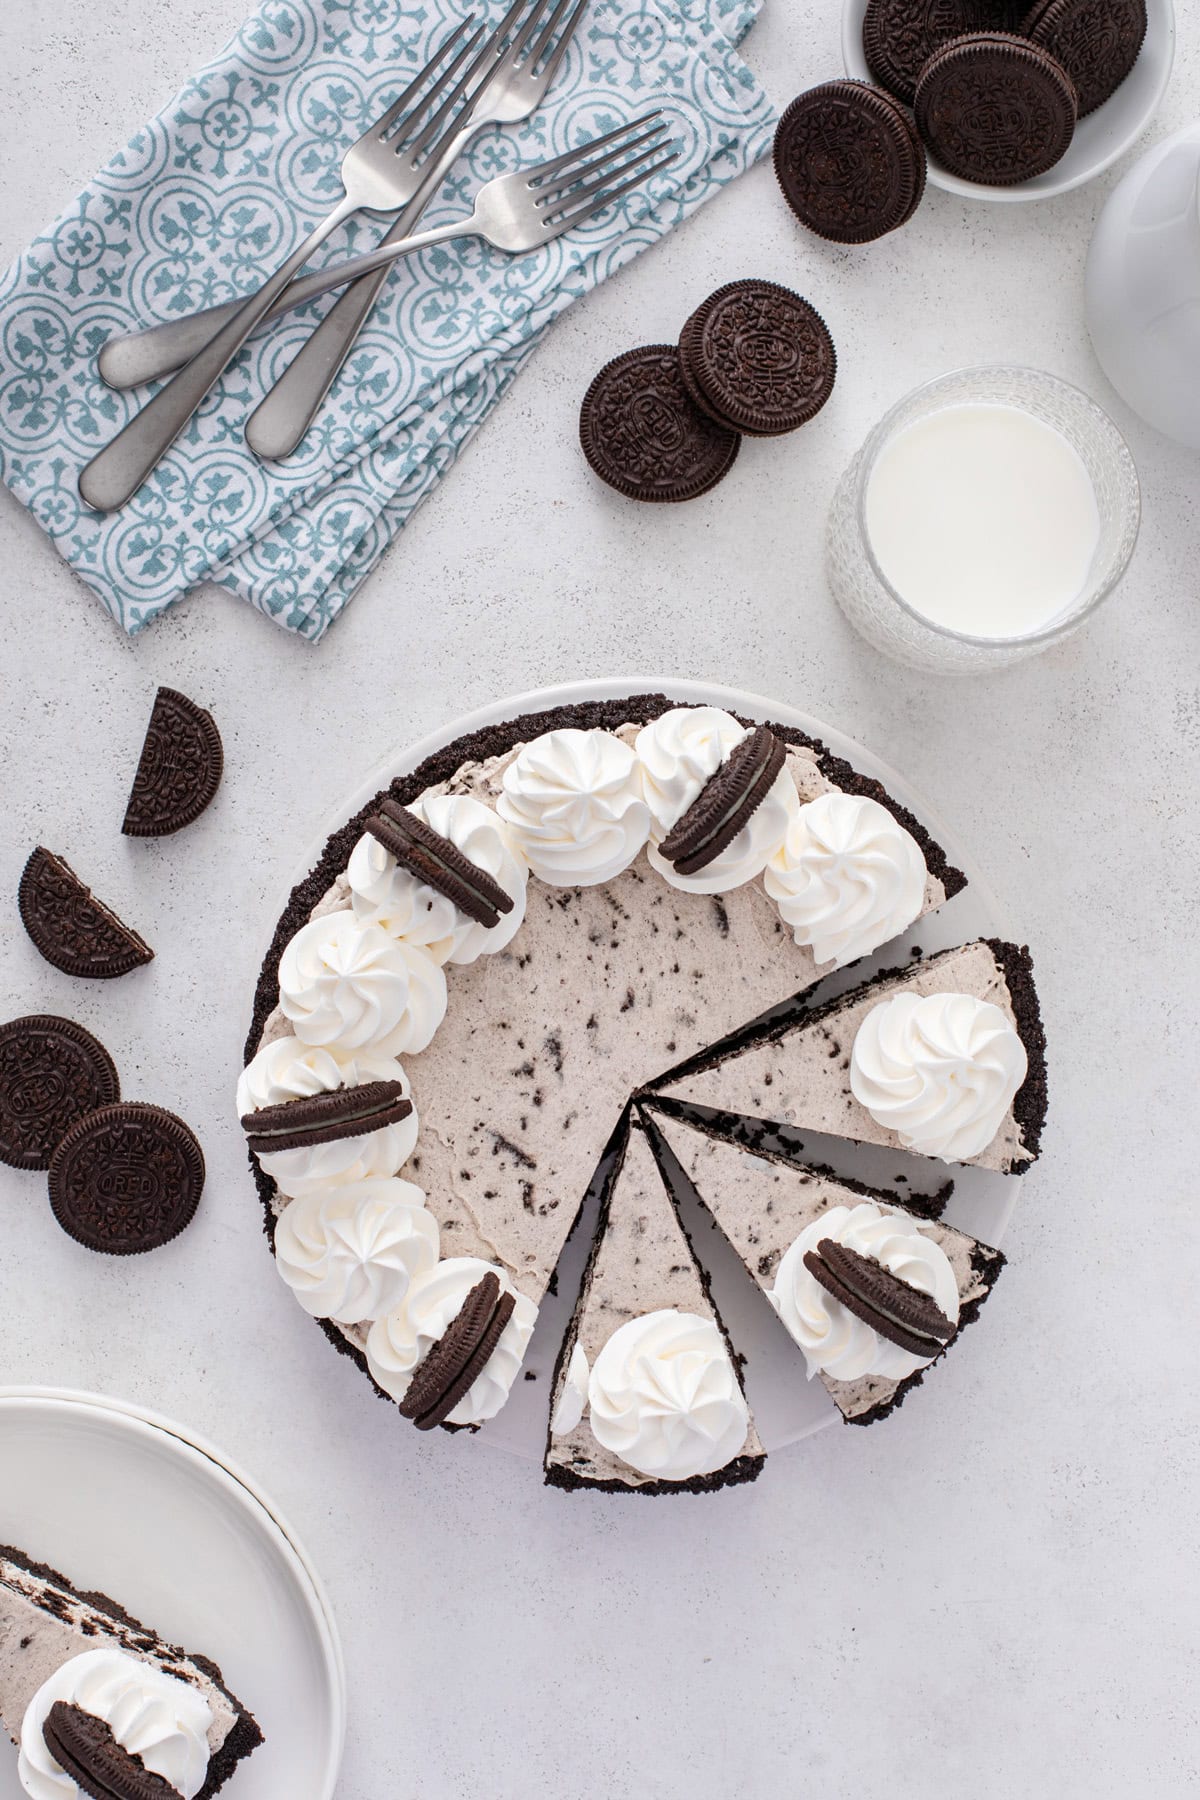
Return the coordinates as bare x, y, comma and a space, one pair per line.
576, 186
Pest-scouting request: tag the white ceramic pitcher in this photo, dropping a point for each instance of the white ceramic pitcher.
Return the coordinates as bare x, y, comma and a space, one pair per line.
1142, 287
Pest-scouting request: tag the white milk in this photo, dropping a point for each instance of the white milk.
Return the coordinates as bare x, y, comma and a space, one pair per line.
983, 518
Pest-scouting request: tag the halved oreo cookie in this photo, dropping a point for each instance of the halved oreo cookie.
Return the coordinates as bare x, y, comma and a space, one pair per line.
902, 1314
643, 434
85, 1748
126, 1178
726, 802
899, 36
52, 1072
179, 770
457, 1358
1096, 41
326, 1118
72, 929
849, 161
439, 863
758, 358
995, 109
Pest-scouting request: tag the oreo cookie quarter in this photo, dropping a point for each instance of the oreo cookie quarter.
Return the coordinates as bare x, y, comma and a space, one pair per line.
643, 434
725, 803
85, 1747
72, 929
439, 863
126, 1178
904, 1315
995, 109
758, 358
1096, 41
52, 1072
849, 161
179, 770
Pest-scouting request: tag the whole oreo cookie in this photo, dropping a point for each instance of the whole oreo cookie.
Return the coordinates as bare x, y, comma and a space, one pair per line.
439, 863
72, 929
179, 770
126, 1178
849, 161
326, 1118
445, 1363
85, 1747
758, 358
904, 1315
1096, 41
725, 803
52, 1072
644, 435
995, 109
899, 36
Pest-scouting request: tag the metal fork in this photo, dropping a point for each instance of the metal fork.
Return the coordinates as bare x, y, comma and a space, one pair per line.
512, 82
381, 172
531, 207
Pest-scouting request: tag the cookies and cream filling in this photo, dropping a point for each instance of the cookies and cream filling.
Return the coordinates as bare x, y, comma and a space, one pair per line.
369, 976
154, 1716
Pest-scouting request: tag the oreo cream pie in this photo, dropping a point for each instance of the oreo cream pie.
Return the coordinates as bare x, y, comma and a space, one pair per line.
99, 1705
871, 1290
488, 960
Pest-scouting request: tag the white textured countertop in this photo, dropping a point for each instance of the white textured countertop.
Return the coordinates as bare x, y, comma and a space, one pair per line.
993, 1593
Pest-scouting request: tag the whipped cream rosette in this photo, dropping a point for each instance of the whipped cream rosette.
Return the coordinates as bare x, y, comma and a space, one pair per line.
835, 1340
349, 985
286, 1069
940, 1070
154, 1716
351, 1253
846, 877
384, 893
573, 801
400, 1341
568, 1410
664, 1397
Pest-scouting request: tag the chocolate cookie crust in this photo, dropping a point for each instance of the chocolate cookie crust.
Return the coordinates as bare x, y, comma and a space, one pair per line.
479, 746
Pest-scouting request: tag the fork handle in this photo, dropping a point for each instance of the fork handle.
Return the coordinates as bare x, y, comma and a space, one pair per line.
115, 475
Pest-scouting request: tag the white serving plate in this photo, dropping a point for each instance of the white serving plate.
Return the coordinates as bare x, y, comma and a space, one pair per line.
124, 1501
787, 1406
1099, 139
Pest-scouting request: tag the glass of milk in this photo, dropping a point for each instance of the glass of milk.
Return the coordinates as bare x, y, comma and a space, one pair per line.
984, 518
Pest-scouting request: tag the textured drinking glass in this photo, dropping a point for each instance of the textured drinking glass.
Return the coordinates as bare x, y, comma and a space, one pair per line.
885, 618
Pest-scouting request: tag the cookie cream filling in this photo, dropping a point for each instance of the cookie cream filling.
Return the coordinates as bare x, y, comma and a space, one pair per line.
940, 1070
663, 1395
152, 1715
846, 877
399, 1341
834, 1340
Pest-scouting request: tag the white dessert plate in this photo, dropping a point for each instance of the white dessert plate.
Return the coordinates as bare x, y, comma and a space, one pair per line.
1099, 139
786, 1405
129, 1503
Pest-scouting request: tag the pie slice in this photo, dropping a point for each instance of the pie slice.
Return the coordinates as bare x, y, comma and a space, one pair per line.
84, 1655
777, 1215
647, 1396
944, 1058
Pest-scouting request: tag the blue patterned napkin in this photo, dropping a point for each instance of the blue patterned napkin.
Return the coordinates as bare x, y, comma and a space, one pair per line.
212, 195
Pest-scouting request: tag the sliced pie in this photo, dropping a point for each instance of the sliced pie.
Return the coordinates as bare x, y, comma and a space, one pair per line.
872, 1291
77, 1672
648, 1393
944, 1058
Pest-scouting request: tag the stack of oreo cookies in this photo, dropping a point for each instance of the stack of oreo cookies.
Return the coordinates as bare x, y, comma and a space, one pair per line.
665, 422
992, 91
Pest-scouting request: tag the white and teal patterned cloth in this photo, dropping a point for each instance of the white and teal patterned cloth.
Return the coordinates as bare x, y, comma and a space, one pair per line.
213, 194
